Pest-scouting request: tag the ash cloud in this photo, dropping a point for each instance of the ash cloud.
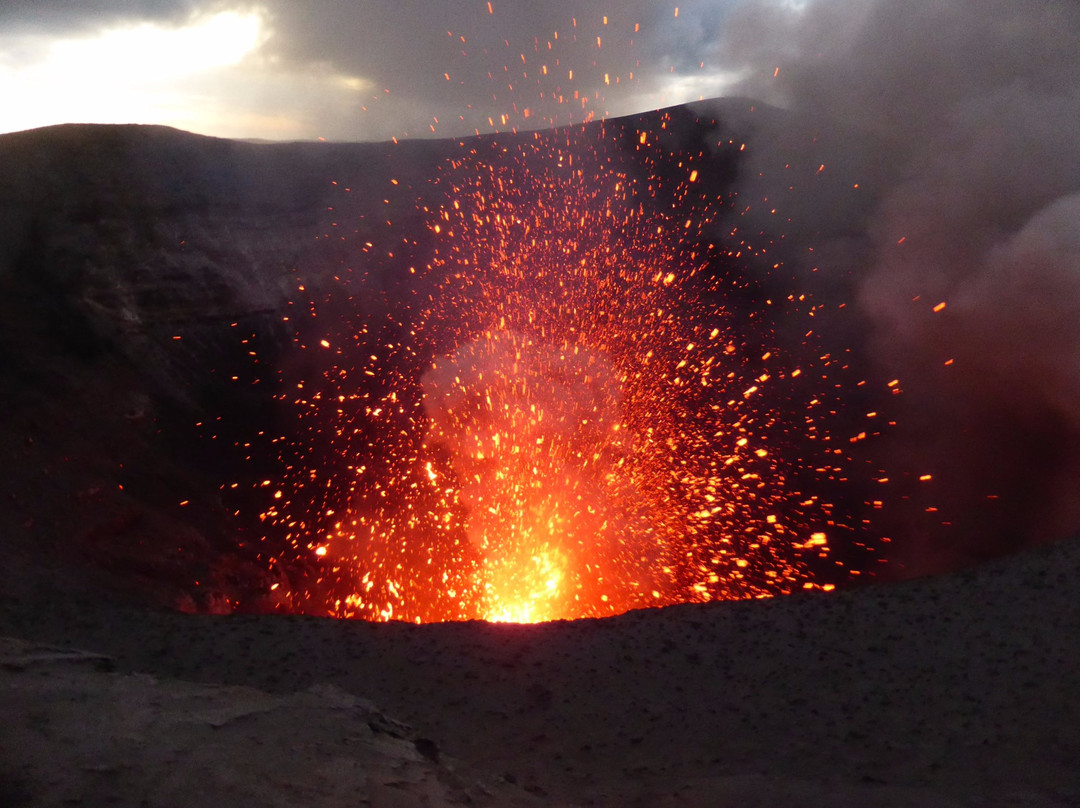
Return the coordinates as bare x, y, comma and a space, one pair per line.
961, 121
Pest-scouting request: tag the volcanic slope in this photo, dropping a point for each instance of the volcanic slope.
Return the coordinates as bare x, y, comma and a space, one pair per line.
957, 690
145, 274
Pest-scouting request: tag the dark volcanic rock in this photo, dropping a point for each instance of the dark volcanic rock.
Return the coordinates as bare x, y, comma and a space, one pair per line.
120, 239
146, 278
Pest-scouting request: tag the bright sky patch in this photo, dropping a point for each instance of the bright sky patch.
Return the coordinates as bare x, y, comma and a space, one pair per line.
120, 75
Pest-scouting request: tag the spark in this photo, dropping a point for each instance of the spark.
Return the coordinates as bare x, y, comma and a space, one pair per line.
543, 437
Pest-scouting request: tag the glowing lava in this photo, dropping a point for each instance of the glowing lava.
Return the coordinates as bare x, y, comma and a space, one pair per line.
531, 430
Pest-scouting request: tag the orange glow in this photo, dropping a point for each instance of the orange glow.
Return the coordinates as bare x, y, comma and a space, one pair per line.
561, 419
526, 590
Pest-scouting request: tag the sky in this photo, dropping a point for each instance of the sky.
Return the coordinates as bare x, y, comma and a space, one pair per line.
348, 70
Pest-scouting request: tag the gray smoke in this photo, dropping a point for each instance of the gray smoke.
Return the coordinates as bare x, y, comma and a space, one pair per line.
961, 123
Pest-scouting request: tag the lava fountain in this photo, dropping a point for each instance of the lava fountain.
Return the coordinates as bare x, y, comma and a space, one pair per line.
568, 419
545, 469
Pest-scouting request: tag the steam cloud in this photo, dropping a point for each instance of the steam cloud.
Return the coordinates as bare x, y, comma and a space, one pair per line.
961, 122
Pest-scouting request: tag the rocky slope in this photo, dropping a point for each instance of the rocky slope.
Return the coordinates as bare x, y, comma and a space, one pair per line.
146, 280
118, 239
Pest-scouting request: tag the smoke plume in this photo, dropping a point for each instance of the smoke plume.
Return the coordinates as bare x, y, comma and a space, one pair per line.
956, 127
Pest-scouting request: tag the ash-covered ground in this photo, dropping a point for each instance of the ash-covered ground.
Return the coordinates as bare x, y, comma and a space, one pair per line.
948, 691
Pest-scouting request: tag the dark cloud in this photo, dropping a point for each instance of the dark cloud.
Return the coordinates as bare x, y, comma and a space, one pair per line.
409, 47
325, 61
67, 16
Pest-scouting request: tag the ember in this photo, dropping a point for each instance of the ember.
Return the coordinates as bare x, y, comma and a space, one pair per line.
568, 419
